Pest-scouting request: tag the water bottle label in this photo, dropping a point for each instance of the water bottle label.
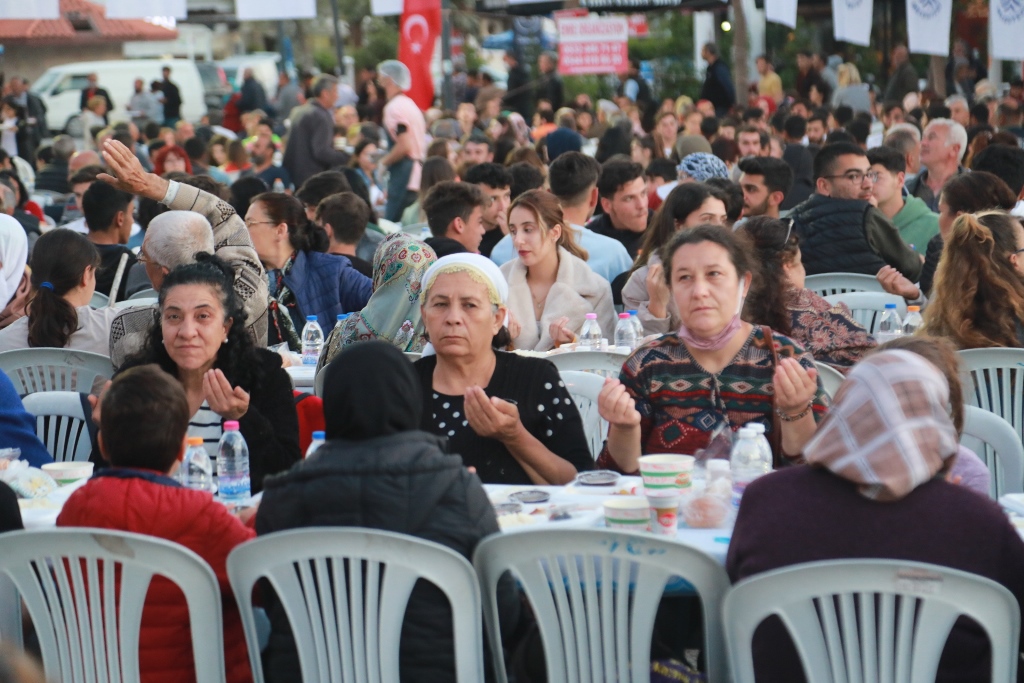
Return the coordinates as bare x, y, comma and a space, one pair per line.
234, 488
310, 356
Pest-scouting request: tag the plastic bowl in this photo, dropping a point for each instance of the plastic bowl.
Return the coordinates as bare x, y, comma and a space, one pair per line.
68, 472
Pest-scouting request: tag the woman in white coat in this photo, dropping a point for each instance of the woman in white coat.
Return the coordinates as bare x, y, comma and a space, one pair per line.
551, 287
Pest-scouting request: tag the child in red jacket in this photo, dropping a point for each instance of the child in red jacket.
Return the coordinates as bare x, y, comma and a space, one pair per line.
143, 423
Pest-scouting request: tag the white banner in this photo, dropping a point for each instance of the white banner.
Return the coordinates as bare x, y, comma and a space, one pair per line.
1006, 28
781, 12
263, 10
29, 9
386, 8
852, 21
928, 26
142, 9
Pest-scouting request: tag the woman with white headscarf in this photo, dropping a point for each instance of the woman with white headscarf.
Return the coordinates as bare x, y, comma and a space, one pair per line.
876, 488
508, 416
14, 273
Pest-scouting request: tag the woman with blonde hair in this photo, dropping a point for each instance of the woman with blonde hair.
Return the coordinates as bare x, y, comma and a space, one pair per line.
551, 287
851, 92
978, 298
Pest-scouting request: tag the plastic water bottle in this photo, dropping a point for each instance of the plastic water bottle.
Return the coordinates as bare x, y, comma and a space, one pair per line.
637, 325
625, 333
762, 442
278, 185
590, 335
196, 470
890, 326
233, 465
312, 341
342, 317
746, 463
318, 441
913, 321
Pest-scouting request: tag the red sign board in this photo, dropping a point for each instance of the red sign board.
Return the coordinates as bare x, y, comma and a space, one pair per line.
638, 26
593, 45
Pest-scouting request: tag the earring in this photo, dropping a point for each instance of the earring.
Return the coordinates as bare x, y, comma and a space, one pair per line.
225, 341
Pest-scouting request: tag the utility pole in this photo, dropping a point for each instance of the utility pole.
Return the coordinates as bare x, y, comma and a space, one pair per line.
339, 43
447, 88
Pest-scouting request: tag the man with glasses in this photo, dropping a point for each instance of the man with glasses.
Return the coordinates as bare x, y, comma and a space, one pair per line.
840, 230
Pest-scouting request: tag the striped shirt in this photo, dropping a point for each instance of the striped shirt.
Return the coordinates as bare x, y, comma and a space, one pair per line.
206, 424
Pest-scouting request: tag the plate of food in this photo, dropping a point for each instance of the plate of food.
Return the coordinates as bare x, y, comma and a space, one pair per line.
570, 515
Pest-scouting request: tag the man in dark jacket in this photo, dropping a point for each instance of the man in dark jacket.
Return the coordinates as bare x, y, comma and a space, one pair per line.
54, 176
904, 76
519, 95
94, 90
378, 471
172, 99
840, 231
623, 191
549, 86
254, 96
455, 214
310, 146
718, 88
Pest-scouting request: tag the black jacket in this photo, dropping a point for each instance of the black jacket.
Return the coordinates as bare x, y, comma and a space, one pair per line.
802, 163
549, 87
602, 225
54, 178
401, 483
718, 88
445, 246
310, 148
172, 101
519, 96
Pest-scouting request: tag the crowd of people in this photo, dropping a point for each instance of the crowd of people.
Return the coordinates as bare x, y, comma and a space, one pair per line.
500, 226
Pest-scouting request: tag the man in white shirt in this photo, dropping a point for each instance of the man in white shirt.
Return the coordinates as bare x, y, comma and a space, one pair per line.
573, 179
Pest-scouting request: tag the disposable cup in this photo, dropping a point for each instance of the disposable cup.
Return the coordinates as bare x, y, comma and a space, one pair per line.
666, 472
664, 512
627, 513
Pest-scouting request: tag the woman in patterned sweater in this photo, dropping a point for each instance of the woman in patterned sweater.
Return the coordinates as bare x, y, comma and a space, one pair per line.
717, 372
829, 333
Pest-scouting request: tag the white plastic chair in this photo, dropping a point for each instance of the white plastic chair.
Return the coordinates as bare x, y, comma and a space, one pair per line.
413, 356
149, 293
351, 633
827, 284
133, 302
99, 300
867, 307
61, 424
831, 379
46, 369
85, 588
594, 594
994, 381
10, 613
585, 387
871, 620
995, 442
590, 361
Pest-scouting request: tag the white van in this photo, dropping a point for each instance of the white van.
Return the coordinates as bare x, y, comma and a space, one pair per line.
60, 88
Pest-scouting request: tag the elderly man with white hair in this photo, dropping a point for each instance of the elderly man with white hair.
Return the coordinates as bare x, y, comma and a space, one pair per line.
942, 148
407, 129
193, 213
959, 109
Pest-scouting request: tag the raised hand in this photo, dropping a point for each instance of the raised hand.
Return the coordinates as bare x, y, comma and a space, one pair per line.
615, 405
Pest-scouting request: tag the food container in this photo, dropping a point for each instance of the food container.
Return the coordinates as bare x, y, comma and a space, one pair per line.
664, 512
68, 472
627, 513
666, 472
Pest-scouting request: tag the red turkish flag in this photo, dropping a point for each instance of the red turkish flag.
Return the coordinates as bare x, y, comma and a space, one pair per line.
418, 33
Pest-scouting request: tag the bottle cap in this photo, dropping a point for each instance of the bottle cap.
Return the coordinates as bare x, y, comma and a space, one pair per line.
312, 318
623, 316
231, 426
632, 312
890, 307
913, 309
757, 427
318, 436
195, 441
591, 316
746, 433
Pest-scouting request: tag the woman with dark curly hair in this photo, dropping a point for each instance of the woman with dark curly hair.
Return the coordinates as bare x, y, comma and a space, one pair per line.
200, 339
780, 300
978, 300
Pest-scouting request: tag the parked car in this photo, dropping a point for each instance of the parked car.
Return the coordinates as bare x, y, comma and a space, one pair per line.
60, 88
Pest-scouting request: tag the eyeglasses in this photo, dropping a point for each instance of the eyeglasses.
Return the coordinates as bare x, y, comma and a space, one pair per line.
142, 258
857, 176
249, 224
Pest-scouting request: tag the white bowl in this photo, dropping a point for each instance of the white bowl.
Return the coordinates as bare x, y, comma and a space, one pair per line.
68, 472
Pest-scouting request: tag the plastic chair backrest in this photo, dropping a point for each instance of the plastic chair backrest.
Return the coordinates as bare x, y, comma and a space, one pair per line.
10, 613
867, 307
47, 369
871, 620
993, 380
590, 361
351, 632
85, 589
413, 356
99, 300
140, 301
148, 293
831, 378
594, 594
585, 387
827, 284
61, 424
995, 442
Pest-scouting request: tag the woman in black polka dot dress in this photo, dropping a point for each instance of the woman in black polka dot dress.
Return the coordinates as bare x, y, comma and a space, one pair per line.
508, 416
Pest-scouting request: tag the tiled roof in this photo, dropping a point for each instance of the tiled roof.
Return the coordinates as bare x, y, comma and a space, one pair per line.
61, 30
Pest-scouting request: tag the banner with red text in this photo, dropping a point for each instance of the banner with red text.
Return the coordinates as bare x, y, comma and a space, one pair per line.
593, 45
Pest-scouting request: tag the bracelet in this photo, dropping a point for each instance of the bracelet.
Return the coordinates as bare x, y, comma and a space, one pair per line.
799, 416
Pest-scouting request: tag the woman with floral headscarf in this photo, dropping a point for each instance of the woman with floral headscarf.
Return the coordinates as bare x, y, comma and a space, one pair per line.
876, 488
393, 312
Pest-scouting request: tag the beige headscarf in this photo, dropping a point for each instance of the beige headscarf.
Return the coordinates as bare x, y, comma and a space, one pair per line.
889, 429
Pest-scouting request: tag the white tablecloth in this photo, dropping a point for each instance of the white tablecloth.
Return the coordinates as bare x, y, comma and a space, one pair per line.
302, 377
